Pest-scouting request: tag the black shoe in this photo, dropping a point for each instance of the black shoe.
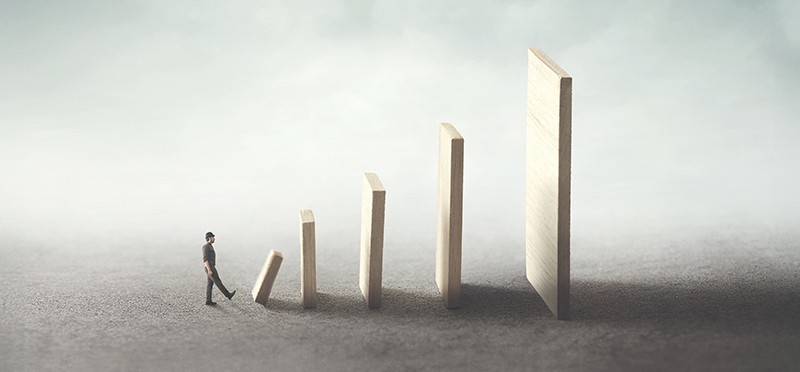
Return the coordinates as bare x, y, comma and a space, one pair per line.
210, 303
231, 295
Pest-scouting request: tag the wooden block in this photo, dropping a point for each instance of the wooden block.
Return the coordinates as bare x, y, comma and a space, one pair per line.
265, 280
448, 238
549, 148
308, 266
372, 214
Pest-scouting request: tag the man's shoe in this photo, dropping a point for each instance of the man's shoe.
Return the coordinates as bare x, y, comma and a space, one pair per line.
231, 296
210, 303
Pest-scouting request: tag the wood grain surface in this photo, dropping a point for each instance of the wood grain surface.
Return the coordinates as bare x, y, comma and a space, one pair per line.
549, 147
308, 259
267, 277
449, 219
372, 218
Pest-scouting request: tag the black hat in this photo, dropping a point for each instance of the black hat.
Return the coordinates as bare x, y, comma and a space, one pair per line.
209, 234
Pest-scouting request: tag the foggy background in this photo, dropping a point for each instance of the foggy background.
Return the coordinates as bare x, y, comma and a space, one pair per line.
143, 119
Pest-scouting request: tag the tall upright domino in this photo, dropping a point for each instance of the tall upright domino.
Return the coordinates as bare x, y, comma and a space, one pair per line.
308, 265
266, 278
449, 221
547, 207
372, 218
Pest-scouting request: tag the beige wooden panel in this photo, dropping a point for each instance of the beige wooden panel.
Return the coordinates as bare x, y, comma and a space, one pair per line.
372, 214
308, 258
267, 277
449, 221
549, 147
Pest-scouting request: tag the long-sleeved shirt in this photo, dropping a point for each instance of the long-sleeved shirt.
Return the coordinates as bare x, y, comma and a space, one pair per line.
209, 255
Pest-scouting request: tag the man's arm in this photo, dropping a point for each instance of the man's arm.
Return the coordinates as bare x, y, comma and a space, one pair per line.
208, 267
205, 260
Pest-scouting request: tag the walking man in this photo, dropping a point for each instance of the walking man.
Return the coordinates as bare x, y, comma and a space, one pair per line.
209, 260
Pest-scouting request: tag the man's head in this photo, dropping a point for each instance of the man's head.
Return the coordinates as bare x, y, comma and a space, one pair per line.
210, 237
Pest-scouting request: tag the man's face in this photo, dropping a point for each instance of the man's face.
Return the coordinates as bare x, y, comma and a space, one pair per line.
211, 239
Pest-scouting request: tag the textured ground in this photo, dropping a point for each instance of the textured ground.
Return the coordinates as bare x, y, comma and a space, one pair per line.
721, 300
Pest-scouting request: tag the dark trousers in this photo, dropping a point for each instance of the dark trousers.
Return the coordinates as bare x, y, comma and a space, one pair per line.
213, 278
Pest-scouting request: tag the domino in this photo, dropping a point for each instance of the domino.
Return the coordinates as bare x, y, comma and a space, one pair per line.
449, 222
308, 266
547, 206
266, 279
372, 219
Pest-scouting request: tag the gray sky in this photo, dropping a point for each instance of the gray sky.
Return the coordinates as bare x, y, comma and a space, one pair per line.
177, 117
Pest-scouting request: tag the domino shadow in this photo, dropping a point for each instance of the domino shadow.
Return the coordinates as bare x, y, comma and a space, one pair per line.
687, 301
511, 303
486, 302
478, 302
328, 305
281, 305
591, 301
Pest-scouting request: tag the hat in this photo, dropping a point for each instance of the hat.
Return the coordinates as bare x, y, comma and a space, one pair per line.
209, 234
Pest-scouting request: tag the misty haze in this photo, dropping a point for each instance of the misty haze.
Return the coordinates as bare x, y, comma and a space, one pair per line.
130, 128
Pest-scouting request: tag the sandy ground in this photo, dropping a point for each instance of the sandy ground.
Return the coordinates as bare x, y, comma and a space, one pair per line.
722, 301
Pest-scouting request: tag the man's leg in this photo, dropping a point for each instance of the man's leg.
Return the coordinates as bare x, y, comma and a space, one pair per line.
208, 289
219, 284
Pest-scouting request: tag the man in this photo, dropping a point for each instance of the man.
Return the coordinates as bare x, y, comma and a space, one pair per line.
209, 260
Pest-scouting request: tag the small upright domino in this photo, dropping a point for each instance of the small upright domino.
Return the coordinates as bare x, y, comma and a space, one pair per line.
266, 279
449, 222
308, 265
372, 215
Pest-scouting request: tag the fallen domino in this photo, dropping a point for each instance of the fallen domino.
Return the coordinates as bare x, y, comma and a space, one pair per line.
266, 279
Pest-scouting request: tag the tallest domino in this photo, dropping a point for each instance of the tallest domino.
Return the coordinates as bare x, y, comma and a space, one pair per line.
547, 205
